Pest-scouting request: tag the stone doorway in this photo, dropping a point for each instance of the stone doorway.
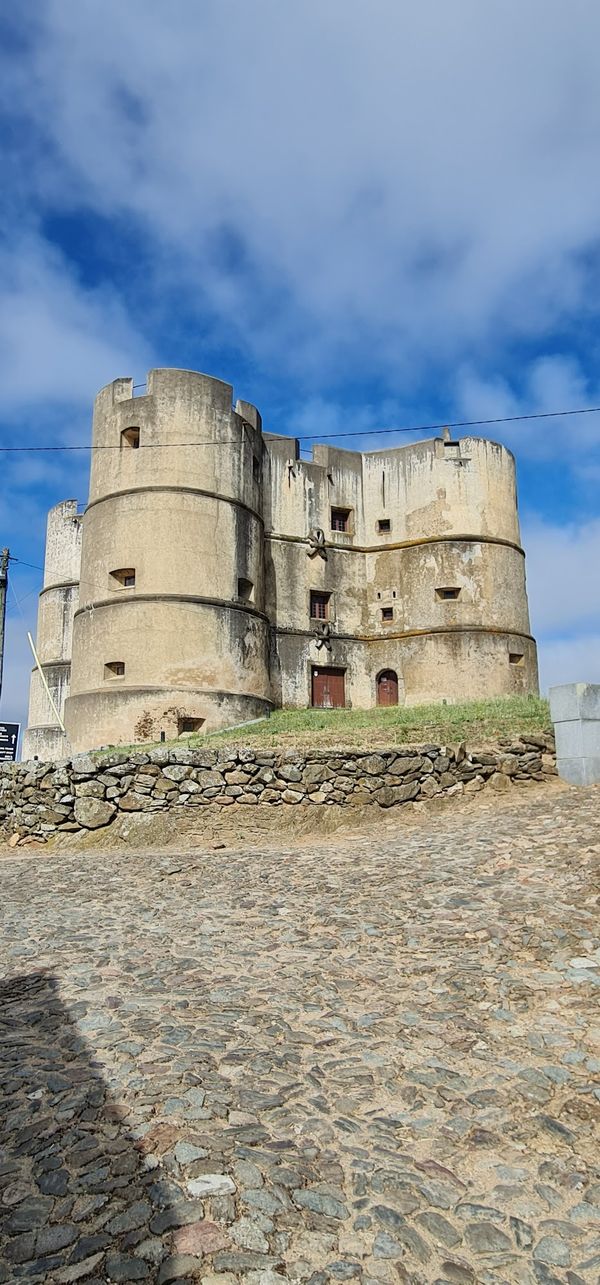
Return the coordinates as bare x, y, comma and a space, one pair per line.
387, 687
328, 688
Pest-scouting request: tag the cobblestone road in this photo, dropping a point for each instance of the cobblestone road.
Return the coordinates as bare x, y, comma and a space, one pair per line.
371, 1059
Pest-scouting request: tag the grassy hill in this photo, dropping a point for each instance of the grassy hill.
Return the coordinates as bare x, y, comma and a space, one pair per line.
477, 722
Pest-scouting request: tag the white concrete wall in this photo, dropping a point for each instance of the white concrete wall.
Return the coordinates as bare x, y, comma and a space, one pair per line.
575, 712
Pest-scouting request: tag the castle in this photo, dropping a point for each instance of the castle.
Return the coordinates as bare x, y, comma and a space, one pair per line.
215, 574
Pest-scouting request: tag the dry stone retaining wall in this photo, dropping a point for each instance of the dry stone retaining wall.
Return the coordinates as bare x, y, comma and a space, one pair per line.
38, 800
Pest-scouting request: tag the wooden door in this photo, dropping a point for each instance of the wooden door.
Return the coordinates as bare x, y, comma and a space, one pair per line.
387, 687
328, 688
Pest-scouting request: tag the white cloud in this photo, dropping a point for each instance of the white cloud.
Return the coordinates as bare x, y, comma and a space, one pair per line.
569, 660
550, 383
562, 579
59, 342
398, 181
562, 575
320, 418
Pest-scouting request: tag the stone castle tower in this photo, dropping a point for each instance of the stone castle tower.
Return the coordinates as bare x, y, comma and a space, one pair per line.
215, 575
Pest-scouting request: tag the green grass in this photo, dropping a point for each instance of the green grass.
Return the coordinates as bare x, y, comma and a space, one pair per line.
476, 722
473, 721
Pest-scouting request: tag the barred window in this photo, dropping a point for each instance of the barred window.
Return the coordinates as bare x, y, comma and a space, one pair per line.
319, 606
340, 519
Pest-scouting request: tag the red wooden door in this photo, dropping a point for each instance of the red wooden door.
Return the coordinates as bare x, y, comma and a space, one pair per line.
387, 688
328, 688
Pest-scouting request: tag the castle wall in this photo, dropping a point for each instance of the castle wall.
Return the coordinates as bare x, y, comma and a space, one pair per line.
203, 541
468, 665
57, 605
177, 540
180, 630
451, 525
435, 488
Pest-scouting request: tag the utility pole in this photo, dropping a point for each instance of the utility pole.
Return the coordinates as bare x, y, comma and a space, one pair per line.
4, 556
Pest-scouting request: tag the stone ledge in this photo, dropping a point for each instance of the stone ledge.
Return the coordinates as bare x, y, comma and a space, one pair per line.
39, 800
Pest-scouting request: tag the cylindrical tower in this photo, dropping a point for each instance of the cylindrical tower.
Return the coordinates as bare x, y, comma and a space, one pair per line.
447, 584
420, 579
170, 635
58, 602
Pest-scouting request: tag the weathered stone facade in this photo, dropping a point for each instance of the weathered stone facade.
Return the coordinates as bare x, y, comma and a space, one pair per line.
215, 574
41, 799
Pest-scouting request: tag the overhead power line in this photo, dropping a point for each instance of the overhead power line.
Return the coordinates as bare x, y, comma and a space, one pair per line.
143, 446
32, 566
460, 423
325, 437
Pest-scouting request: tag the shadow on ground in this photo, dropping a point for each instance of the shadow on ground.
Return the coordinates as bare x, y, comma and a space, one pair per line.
78, 1199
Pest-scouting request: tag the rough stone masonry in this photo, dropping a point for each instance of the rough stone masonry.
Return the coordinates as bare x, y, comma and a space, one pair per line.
38, 800
372, 1057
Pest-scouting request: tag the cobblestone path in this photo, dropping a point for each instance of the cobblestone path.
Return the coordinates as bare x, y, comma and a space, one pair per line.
373, 1058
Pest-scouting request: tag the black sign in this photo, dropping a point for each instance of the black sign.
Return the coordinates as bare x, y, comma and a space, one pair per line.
9, 739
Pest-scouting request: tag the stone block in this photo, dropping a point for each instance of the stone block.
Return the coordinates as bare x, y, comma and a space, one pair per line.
430, 787
575, 712
373, 764
316, 774
130, 802
208, 778
93, 813
575, 701
90, 789
84, 764
388, 795
578, 738
292, 774
402, 766
581, 770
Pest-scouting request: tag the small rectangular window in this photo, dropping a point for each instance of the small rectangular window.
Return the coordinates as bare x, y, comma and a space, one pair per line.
130, 437
114, 669
187, 725
255, 468
448, 593
245, 589
319, 606
340, 519
387, 613
516, 658
384, 524
122, 578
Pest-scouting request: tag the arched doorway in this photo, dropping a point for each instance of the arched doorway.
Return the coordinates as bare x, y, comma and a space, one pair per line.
387, 687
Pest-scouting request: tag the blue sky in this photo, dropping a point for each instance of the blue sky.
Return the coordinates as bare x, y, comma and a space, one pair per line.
360, 215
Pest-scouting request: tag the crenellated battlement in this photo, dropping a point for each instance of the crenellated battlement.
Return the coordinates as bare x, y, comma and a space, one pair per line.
182, 432
181, 385
63, 544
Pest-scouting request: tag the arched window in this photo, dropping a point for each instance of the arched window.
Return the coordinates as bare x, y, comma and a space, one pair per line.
387, 687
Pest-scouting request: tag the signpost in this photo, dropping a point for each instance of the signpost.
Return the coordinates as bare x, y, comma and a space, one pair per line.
9, 740
4, 559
